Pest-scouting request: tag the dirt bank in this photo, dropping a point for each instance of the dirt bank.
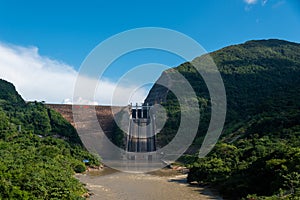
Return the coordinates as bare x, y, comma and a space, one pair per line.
112, 185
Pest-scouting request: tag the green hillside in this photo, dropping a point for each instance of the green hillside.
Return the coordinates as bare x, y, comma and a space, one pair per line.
40, 151
258, 154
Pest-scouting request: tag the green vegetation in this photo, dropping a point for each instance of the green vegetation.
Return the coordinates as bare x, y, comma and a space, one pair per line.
258, 155
40, 151
261, 166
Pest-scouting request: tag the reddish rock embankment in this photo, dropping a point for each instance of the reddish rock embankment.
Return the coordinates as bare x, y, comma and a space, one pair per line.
105, 115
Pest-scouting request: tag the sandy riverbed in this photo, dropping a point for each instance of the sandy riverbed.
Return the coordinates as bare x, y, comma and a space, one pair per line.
112, 185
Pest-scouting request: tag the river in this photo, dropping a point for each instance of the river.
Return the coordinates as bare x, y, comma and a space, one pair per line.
113, 185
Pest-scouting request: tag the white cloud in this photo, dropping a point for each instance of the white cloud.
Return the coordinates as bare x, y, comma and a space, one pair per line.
250, 1
40, 78
264, 2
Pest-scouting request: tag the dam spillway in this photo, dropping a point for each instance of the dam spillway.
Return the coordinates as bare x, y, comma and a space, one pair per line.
141, 133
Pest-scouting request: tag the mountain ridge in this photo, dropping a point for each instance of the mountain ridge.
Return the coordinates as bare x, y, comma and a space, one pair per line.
262, 127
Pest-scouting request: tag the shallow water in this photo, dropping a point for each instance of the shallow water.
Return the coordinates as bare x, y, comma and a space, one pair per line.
113, 185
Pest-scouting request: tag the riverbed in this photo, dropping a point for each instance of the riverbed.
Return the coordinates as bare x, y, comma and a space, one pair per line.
114, 185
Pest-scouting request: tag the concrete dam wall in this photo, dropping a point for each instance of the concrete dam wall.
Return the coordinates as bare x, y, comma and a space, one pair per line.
104, 114
138, 132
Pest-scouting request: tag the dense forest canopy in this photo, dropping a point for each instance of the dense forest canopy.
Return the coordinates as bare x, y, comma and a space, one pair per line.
258, 154
40, 151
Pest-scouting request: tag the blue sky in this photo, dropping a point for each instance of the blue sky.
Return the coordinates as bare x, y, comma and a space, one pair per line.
66, 31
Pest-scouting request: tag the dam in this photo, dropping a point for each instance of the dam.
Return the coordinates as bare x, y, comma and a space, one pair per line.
140, 136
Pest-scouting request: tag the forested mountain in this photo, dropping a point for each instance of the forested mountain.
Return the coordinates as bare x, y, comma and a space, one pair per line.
40, 151
258, 154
